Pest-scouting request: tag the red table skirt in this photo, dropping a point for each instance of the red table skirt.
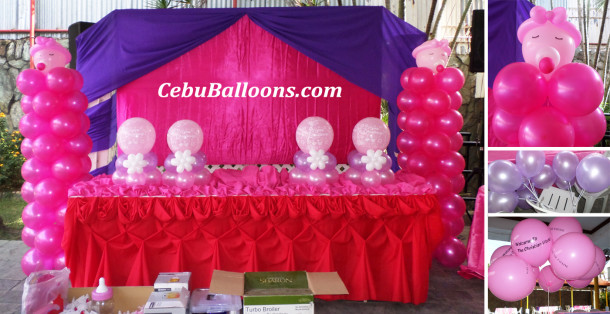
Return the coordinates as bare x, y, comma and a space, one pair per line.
380, 245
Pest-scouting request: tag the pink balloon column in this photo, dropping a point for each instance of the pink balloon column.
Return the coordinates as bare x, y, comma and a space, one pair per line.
547, 100
314, 165
56, 145
572, 256
137, 165
185, 166
368, 164
430, 139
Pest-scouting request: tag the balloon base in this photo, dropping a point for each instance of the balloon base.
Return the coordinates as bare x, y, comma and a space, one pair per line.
555, 201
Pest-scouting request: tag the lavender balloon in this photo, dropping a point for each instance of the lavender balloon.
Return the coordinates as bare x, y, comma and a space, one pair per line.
355, 162
524, 194
530, 162
592, 173
167, 164
200, 160
502, 202
300, 161
545, 178
388, 163
331, 163
565, 185
151, 159
565, 164
503, 176
353, 175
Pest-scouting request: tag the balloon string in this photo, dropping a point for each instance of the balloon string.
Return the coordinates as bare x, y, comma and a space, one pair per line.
532, 190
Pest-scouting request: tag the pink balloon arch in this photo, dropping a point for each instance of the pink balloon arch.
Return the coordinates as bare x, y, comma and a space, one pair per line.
430, 139
56, 147
547, 100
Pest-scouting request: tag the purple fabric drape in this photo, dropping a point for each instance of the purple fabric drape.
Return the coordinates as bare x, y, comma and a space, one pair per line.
505, 16
103, 121
368, 46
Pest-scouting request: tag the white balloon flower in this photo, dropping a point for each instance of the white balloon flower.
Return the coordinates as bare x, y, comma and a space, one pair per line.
318, 159
373, 160
183, 161
135, 163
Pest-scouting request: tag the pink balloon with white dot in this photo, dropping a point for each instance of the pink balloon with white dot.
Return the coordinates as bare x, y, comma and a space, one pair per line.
136, 135
185, 135
314, 133
370, 134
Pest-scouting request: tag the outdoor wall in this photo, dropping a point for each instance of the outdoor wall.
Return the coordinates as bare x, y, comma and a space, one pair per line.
541, 298
14, 57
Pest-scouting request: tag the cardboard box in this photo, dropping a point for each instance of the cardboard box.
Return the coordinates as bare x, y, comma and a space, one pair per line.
174, 302
125, 298
277, 292
172, 281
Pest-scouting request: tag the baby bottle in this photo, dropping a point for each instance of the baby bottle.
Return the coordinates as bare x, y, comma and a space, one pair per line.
102, 302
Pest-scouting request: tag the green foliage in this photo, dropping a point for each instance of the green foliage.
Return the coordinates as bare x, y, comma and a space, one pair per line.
11, 206
384, 111
11, 159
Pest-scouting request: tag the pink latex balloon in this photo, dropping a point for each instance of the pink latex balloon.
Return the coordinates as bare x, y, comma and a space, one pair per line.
544, 127
450, 80
436, 102
562, 225
33, 126
452, 205
27, 192
316, 177
579, 283
59, 261
332, 176
31, 262
418, 122
314, 133
48, 240
404, 77
440, 183
450, 122
506, 126
31, 82
66, 124
436, 144
387, 176
61, 80
78, 80
452, 227
75, 101
36, 216
86, 165
589, 129
154, 177
26, 148
450, 253
60, 215
541, 42
420, 164
48, 147
548, 281
519, 88
456, 100
46, 104
118, 178
407, 142
402, 161
136, 135
35, 170
370, 179
421, 80
169, 178
531, 241
50, 192
576, 89
28, 236
85, 123
134, 179
505, 250
401, 120
69, 168
511, 278
456, 141
457, 183
184, 180
26, 104
408, 100
353, 175
451, 164
598, 265
79, 145
572, 256
370, 133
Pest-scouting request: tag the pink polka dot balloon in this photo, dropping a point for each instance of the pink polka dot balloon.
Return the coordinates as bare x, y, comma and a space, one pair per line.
185, 135
136, 135
314, 133
370, 133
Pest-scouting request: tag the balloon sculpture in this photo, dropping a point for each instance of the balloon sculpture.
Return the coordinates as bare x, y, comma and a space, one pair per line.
185, 166
314, 165
56, 147
511, 184
138, 165
430, 139
547, 100
368, 164
572, 256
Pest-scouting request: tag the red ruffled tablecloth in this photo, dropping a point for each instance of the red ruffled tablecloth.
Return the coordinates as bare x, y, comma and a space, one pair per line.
381, 245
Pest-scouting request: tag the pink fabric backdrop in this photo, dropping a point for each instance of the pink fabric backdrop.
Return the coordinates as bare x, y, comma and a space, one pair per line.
476, 241
246, 130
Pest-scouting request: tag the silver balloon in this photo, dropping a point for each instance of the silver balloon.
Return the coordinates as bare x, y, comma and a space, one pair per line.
502, 202
545, 178
503, 176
